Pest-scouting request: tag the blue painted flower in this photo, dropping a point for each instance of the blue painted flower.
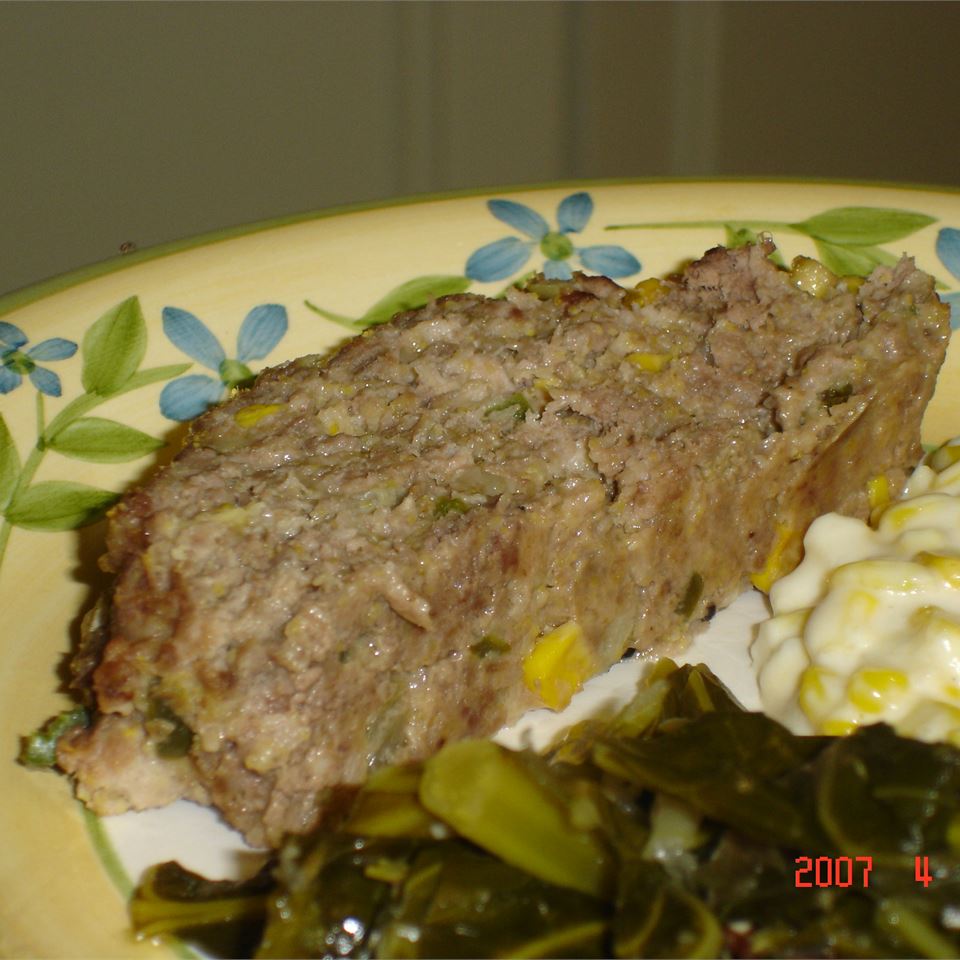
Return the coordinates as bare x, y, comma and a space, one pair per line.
948, 250
500, 259
15, 363
187, 397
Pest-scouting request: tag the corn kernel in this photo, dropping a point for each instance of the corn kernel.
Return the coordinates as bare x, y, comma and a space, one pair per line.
946, 566
231, 515
837, 728
333, 428
859, 607
558, 665
814, 694
651, 362
945, 456
873, 690
812, 277
545, 383
646, 292
900, 514
775, 565
896, 576
937, 621
255, 412
878, 493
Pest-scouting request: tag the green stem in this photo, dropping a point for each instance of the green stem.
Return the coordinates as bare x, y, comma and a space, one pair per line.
703, 224
27, 472
72, 411
45, 434
4, 537
40, 414
88, 401
347, 322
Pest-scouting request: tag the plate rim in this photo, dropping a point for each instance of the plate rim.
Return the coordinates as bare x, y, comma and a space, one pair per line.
34, 292
710, 189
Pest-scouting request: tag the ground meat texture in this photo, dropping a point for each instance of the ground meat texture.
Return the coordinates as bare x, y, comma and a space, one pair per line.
349, 563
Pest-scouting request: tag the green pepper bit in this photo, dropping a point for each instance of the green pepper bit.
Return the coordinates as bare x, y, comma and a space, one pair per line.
691, 596
445, 505
488, 644
517, 401
39, 749
179, 740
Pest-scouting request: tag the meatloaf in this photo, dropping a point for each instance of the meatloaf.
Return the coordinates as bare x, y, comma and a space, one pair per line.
465, 511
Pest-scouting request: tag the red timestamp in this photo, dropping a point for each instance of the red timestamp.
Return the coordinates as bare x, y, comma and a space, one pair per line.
847, 871
832, 871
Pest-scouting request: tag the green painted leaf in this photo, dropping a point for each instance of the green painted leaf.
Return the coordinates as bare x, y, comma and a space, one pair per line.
102, 441
144, 378
863, 225
59, 505
113, 348
856, 260
339, 318
741, 235
9, 463
413, 294
410, 295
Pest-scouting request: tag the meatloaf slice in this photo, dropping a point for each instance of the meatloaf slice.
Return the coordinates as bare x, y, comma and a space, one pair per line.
465, 510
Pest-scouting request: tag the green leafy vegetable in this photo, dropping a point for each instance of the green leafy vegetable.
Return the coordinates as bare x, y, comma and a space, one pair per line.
224, 917
490, 796
678, 828
657, 917
739, 768
890, 797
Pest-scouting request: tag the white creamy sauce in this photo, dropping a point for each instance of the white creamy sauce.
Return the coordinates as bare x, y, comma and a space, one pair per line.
867, 628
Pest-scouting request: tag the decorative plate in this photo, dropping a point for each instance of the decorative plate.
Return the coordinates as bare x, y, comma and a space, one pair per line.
99, 369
